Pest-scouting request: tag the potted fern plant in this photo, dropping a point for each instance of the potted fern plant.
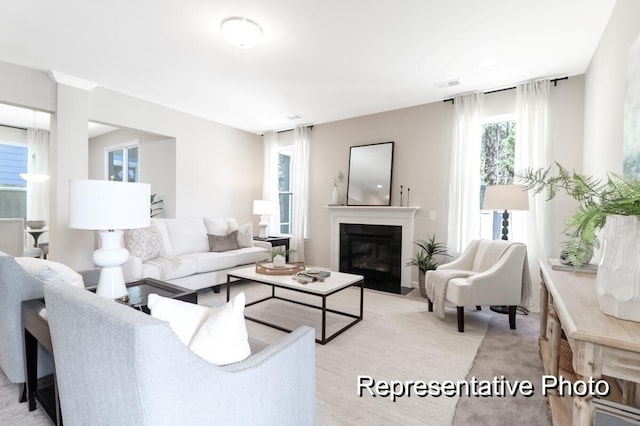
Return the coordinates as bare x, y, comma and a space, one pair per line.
426, 258
613, 206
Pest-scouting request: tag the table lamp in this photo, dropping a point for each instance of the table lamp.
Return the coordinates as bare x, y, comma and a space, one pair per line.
109, 207
263, 208
506, 197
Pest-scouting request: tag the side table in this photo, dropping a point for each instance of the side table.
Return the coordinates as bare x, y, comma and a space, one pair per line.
36, 330
35, 233
277, 241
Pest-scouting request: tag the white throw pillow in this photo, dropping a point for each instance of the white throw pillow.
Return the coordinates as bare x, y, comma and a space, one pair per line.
223, 338
187, 236
216, 226
245, 235
47, 271
184, 318
232, 223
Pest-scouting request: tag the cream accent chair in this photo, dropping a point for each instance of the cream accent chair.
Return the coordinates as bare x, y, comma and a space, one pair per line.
13, 237
499, 276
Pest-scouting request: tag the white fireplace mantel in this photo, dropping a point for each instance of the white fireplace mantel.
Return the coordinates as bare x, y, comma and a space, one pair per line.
374, 215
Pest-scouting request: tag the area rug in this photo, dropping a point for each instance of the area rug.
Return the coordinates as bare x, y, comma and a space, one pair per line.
398, 340
12, 412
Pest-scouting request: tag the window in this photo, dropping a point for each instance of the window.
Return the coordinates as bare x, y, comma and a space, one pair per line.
497, 158
122, 163
285, 195
13, 189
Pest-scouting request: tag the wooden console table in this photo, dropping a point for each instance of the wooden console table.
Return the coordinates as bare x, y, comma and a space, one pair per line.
602, 345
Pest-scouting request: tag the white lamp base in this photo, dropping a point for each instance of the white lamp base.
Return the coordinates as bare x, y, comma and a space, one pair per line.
263, 227
110, 257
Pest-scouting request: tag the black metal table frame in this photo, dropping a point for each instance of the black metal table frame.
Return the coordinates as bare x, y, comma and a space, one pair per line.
324, 340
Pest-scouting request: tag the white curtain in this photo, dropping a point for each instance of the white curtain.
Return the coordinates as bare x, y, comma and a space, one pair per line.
533, 149
270, 180
300, 184
464, 175
38, 162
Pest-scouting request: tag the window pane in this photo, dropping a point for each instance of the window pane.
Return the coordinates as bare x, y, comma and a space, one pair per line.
285, 213
13, 161
132, 160
13, 194
284, 172
496, 168
284, 189
497, 153
115, 165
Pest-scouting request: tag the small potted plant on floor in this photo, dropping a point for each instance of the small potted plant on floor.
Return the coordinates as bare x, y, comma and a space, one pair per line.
426, 258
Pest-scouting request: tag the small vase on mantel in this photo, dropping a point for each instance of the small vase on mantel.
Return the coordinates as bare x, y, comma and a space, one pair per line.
618, 278
335, 197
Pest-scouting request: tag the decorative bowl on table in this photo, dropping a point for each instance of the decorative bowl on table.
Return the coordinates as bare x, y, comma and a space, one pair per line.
268, 268
36, 224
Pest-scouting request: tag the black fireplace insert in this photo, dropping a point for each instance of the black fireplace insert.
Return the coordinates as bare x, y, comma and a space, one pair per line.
373, 251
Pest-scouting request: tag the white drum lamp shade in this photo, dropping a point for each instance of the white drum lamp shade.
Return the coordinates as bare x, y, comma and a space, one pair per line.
262, 208
505, 197
109, 207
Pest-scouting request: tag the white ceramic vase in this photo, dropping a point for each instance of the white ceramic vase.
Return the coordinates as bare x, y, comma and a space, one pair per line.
279, 261
335, 197
618, 279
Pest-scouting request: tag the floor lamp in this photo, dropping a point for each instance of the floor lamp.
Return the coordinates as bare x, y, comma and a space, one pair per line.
109, 207
506, 197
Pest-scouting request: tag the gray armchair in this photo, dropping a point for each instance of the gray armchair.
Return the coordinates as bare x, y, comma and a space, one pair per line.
116, 365
16, 286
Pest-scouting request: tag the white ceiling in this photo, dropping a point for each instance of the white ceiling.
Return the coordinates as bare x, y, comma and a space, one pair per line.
320, 60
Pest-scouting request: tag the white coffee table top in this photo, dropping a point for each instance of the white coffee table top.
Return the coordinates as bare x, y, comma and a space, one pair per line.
335, 281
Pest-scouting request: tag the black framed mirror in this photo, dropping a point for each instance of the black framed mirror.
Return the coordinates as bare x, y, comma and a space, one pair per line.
370, 171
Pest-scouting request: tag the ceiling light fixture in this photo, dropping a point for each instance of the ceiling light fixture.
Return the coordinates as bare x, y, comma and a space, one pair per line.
241, 32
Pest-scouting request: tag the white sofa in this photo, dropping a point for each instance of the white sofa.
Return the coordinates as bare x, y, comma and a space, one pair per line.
178, 251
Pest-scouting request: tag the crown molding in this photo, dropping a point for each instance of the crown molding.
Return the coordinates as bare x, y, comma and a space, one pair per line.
72, 81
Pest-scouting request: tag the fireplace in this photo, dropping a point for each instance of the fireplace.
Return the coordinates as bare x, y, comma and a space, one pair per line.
402, 217
373, 251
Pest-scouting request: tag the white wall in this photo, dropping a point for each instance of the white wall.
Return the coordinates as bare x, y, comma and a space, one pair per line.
68, 160
158, 167
420, 154
605, 91
422, 137
218, 169
157, 155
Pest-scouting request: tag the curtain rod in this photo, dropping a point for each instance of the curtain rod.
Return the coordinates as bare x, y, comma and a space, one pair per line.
13, 127
553, 80
310, 127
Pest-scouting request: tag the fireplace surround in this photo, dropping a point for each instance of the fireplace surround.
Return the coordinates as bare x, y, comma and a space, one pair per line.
402, 217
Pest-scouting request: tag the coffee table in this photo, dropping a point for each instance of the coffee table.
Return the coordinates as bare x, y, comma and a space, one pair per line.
338, 281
